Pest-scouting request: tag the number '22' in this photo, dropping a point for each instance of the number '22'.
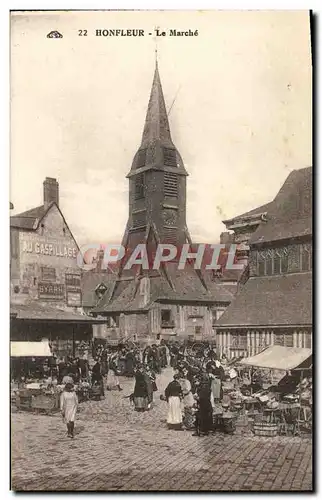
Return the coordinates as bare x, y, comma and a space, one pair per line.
82, 32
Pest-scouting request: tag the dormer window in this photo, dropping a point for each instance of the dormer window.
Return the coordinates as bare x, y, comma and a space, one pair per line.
100, 290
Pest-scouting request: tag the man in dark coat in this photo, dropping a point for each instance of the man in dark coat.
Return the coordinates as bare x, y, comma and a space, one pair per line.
130, 363
204, 415
163, 355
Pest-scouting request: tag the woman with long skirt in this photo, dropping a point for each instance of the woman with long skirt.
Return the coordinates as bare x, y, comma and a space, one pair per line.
173, 395
113, 381
204, 417
68, 407
187, 401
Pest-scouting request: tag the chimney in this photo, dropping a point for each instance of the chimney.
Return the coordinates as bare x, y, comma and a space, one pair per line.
100, 260
226, 238
51, 192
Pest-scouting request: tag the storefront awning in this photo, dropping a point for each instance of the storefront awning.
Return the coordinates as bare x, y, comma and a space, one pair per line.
278, 358
30, 349
39, 312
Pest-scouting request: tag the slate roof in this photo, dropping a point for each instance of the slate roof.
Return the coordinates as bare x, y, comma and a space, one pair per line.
290, 213
271, 301
156, 133
27, 220
90, 281
156, 125
259, 210
188, 288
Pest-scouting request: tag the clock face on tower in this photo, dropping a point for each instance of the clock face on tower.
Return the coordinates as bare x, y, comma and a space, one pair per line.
170, 217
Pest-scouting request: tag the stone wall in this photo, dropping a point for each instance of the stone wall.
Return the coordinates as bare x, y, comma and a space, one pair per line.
35, 254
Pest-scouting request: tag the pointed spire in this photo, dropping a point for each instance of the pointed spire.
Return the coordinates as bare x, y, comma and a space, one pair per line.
156, 126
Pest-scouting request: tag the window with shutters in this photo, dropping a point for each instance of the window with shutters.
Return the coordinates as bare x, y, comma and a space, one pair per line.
141, 158
48, 274
170, 185
139, 186
170, 157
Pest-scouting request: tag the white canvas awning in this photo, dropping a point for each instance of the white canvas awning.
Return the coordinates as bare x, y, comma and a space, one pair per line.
30, 349
278, 358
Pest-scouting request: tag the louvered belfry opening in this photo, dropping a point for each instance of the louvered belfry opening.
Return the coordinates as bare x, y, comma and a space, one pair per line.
170, 235
139, 186
170, 185
170, 157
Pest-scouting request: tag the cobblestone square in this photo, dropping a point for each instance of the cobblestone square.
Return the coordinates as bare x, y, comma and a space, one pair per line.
116, 448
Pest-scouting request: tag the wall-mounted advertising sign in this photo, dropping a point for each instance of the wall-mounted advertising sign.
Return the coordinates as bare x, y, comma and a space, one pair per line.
51, 291
74, 299
47, 248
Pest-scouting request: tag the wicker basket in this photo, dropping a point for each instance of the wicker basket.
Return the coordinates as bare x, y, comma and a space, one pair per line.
265, 429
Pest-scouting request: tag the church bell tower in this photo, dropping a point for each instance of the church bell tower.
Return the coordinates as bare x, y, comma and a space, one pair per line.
157, 181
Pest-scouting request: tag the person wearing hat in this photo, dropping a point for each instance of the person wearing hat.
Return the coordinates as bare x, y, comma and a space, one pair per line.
68, 407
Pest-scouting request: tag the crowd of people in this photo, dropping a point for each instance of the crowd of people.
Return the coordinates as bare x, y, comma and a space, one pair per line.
196, 386
195, 389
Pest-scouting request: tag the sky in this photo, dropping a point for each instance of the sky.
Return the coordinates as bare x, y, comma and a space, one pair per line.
241, 119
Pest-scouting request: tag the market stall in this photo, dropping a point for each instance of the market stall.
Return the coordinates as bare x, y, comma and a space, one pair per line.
33, 385
281, 408
30, 360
